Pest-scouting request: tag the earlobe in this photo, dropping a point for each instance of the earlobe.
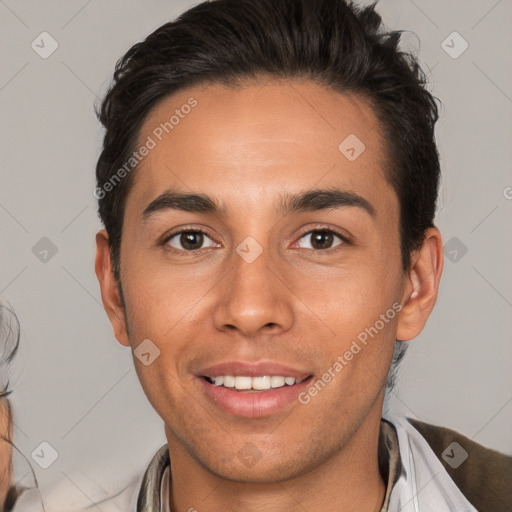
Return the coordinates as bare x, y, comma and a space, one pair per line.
422, 286
109, 288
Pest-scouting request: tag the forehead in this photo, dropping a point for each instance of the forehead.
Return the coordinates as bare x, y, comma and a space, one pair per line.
261, 138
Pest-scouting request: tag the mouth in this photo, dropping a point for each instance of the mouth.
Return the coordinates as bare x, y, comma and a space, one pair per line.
252, 390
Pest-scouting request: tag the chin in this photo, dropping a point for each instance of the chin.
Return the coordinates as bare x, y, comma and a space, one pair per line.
262, 469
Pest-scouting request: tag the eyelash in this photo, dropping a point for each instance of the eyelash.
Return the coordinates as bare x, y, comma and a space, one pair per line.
182, 252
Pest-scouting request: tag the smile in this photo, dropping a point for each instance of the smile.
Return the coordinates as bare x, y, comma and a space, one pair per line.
258, 383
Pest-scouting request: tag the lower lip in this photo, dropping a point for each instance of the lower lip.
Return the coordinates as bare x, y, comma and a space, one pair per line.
253, 404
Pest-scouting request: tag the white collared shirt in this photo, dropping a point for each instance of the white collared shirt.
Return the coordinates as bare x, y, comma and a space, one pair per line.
424, 484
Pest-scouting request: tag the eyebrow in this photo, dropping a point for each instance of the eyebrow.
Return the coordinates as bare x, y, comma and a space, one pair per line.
307, 201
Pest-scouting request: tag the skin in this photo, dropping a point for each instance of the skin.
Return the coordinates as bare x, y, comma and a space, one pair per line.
5, 450
295, 303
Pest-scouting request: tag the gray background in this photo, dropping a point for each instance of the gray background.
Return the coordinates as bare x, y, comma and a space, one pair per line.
75, 386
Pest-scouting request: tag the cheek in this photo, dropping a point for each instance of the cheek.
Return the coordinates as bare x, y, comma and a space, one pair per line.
359, 308
158, 296
357, 360
160, 307
352, 296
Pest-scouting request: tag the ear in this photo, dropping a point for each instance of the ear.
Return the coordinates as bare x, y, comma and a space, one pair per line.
109, 288
421, 287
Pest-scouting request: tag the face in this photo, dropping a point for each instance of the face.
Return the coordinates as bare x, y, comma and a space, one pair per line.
5, 450
261, 277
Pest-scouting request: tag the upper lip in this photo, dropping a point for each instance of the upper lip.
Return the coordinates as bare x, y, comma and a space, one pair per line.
253, 369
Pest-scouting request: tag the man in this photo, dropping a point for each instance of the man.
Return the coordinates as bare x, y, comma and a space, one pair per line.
19, 490
268, 186
9, 343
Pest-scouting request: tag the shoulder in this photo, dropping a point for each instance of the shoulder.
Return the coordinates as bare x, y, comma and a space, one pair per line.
483, 475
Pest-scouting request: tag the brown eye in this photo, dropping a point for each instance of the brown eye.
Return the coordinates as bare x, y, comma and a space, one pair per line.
322, 239
191, 240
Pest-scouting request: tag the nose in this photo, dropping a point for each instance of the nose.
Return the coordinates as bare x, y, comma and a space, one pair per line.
254, 299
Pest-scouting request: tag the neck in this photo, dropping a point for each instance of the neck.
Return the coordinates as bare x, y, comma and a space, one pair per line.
350, 481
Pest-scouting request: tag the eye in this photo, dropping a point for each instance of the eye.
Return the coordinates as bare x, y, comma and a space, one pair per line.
322, 239
188, 240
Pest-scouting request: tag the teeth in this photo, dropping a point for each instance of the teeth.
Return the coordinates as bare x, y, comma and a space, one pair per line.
260, 383
243, 382
229, 381
277, 382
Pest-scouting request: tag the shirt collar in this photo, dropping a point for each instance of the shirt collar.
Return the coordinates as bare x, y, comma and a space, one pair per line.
155, 485
149, 495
